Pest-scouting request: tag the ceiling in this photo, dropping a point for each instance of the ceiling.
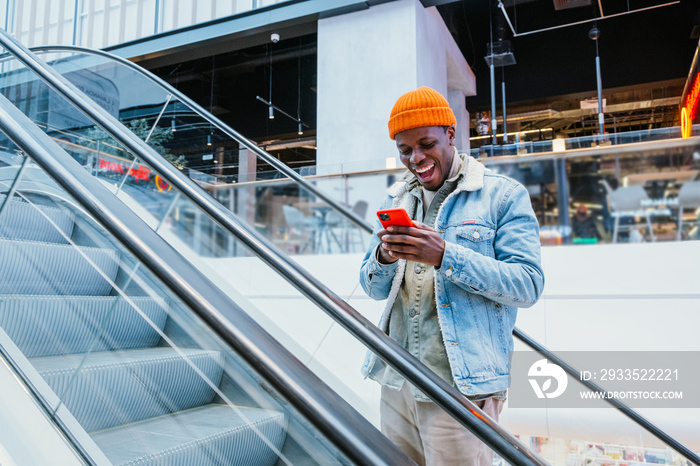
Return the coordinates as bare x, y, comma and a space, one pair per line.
645, 57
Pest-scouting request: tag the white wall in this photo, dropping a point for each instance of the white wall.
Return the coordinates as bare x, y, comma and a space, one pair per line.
597, 297
24, 428
628, 297
109, 22
441, 62
456, 100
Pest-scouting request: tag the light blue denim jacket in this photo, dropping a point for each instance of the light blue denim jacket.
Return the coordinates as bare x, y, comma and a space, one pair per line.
491, 266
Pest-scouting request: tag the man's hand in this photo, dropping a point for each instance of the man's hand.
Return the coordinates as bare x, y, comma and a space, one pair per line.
419, 243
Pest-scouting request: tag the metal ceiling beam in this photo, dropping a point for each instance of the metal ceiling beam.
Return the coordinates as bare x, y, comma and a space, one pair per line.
429, 3
519, 34
575, 114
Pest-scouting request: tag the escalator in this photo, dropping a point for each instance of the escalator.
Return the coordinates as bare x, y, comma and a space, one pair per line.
180, 367
112, 352
119, 360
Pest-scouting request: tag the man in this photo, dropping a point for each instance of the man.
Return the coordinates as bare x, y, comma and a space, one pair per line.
583, 225
452, 281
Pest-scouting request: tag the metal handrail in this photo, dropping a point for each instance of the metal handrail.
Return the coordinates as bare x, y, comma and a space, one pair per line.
213, 120
322, 407
442, 393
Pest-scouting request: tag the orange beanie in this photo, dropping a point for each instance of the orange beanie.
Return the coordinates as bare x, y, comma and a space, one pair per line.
422, 107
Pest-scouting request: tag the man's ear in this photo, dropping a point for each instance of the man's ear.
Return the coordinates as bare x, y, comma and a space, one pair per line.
451, 133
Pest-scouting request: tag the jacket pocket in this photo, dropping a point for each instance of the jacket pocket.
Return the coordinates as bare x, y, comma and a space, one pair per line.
476, 237
476, 233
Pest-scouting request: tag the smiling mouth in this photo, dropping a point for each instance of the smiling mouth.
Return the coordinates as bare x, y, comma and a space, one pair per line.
422, 170
425, 173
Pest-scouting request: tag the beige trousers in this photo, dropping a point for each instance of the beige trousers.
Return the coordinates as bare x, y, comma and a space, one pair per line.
430, 436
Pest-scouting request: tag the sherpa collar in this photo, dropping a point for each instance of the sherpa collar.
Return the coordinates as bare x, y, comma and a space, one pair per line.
472, 179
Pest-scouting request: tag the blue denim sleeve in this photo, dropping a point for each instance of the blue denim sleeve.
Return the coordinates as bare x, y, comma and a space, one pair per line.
514, 276
375, 277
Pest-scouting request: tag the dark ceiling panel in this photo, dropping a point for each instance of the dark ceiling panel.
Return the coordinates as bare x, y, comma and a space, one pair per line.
635, 49
428, 3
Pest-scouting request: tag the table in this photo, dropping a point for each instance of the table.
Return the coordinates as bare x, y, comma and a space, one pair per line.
322, 211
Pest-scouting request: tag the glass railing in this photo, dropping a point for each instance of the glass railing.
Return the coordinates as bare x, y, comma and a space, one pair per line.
296, 218
525, 147
123, 365
288, 303
575, 194
641, 192
575, 203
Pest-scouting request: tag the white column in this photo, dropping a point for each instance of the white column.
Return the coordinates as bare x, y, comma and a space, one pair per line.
245, 201
366, 60
456, 100
247, 165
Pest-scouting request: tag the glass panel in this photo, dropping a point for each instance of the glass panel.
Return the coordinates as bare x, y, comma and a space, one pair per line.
132, 372
296, 220
534, 141
558, 451
643, 189
599, 434
285, 213
306, 331
645, 195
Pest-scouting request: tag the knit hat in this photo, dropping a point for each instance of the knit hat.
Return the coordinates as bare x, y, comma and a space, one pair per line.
422, 107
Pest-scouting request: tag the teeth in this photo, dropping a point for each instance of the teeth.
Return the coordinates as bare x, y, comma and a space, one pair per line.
425, 169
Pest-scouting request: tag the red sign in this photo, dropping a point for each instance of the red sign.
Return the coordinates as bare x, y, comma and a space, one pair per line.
689, 112
162, 185
141, 173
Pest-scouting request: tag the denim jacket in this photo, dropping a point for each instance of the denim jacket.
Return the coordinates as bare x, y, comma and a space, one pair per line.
491, 266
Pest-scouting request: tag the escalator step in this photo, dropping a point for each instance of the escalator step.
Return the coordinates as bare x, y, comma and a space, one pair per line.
208, 435
103, 390
35, 222
55, 325
34, 268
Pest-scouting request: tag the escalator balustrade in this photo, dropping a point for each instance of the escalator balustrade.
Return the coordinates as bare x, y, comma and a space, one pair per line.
102, 354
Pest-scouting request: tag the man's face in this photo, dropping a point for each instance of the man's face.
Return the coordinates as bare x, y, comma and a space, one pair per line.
427, 152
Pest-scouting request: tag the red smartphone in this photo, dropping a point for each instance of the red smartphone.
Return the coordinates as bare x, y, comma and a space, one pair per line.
397, 217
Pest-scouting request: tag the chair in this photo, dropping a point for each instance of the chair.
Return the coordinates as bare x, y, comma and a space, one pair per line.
627, 202
352, 234
688, 198
329, 220
359, 209
300, 223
